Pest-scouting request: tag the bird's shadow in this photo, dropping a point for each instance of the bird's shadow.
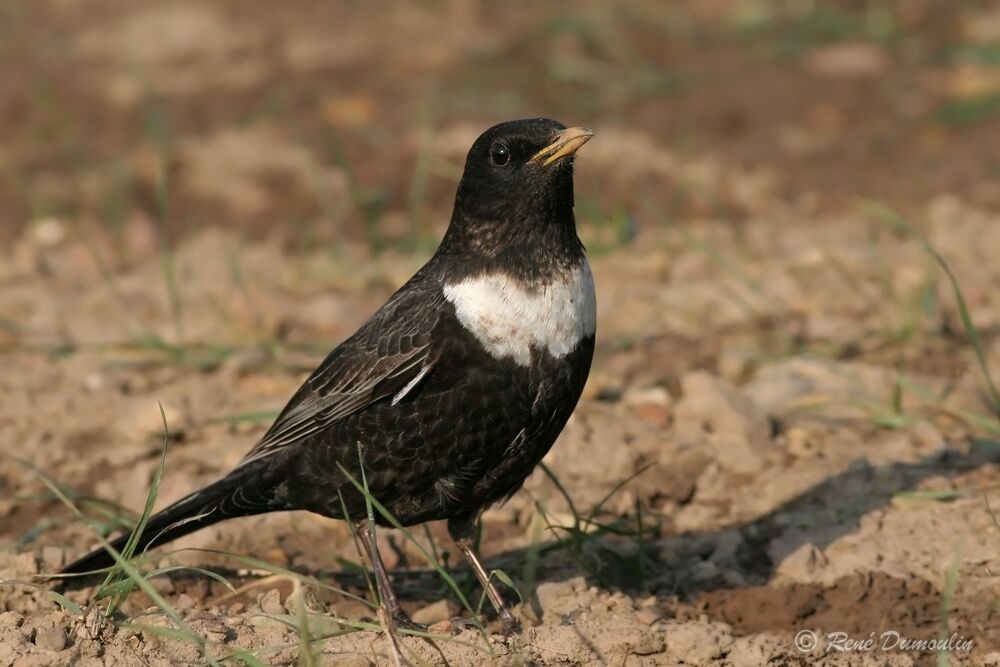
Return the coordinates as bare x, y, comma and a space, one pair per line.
818, 516
668, 566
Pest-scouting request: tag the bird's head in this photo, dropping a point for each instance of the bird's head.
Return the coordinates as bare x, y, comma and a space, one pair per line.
519, 174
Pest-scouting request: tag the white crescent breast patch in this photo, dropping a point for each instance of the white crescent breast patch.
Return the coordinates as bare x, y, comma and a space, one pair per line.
510, 320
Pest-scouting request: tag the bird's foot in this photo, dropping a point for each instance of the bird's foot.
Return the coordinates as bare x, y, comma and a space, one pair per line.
510, 624
457, 625
399, 620
403, 622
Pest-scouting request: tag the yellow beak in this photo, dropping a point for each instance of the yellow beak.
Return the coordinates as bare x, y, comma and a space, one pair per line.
566, 143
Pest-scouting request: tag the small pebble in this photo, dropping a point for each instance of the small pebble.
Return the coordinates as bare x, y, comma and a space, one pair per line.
654, 414
95, 382
162, 585
53, 557
214, 631
550, 592
647, 615
268, 623
26, 564
444, 627
52, 639
270, 602
439, 611
277, 556
353, 661
10, 619
49, 232
184, 602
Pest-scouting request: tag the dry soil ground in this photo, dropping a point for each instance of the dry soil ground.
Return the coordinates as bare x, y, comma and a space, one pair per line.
787, 430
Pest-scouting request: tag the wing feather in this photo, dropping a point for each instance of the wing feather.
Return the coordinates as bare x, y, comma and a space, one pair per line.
386, 359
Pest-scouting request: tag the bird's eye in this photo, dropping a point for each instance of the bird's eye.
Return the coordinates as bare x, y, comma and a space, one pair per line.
499, 154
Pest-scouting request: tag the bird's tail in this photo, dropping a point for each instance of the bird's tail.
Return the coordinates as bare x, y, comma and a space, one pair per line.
193, 512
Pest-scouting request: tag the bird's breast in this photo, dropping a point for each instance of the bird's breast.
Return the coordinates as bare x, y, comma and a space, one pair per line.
511, 318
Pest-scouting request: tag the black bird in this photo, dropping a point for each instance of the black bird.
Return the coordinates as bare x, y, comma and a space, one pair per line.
455, 389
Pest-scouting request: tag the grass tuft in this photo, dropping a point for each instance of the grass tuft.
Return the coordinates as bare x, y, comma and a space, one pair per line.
375, 505
968, 111
970, 329
117, 585
158, 127
947, 597
125, 576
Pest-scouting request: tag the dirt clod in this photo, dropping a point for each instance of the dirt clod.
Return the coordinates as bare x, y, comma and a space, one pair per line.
270, 602
786, 427
433, 613
51, 639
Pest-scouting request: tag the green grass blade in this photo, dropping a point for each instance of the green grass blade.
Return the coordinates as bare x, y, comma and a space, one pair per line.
970, 329
66, 603
128, 568
116, 574
369, 498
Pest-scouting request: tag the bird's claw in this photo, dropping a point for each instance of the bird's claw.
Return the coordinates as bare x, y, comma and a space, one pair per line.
510, 624
459, 624
403, 622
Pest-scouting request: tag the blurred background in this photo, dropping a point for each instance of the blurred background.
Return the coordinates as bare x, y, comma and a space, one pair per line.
328, 121
792, 209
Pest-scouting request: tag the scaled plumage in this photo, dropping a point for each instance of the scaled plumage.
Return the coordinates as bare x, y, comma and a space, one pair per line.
457, 386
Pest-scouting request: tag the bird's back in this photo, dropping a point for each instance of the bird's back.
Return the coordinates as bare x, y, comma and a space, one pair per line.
505, 368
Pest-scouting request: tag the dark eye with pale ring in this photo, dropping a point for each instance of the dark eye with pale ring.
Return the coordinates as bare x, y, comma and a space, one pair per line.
499, 154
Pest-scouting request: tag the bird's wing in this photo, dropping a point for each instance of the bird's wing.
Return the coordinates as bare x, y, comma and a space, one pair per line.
387, 358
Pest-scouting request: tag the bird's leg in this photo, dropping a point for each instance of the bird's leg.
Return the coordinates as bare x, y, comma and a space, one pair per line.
386, 593
463, 532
